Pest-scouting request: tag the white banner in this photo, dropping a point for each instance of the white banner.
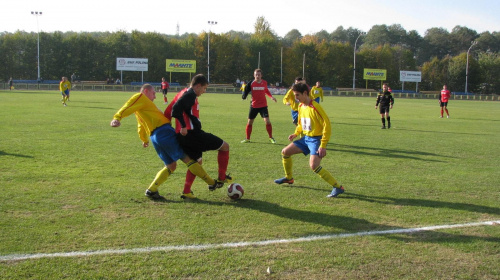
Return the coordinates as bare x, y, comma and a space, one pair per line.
131, 64
410, 76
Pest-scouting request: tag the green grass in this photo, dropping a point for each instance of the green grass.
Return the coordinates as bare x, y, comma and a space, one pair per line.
69, 182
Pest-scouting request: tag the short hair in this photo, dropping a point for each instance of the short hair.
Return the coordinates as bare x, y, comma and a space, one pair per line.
146, 86
300, 87
299, 79
385, 84
199, 79
258, 70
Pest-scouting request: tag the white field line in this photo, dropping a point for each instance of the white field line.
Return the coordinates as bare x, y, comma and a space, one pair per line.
18, 257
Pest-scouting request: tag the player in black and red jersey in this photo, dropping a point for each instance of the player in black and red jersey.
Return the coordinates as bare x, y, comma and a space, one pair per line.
259, 90
443, 101
386, 101
164, 88
193, 140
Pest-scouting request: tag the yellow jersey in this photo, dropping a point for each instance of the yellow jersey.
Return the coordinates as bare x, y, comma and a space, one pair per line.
316, 92
148, 116
63, 86
313, 122
290, 98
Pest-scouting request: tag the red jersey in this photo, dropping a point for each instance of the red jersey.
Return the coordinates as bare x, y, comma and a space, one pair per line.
445, 95
259, 92
165, 85
195, 111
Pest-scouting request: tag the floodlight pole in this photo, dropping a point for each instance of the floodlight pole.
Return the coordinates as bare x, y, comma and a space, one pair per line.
354, 65
210, 23
473, 43
37, 13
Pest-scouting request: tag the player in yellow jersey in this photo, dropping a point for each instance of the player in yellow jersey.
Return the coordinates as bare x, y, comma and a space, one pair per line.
315, 125
152, 124
317, 92
289, 100
64, 87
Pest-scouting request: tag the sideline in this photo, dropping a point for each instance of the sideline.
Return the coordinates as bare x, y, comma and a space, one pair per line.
19, 257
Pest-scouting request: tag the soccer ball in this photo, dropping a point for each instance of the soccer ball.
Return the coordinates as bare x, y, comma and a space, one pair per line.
235, 191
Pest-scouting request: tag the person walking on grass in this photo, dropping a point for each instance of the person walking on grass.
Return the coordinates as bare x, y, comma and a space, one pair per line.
386, 101
164, 88
443, 101
193, 140
314, 124
259, 90
154, 126
317, 92
64, 87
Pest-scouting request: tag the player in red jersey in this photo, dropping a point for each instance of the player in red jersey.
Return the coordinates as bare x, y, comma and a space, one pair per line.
164, 88
259, 90
443, 101
193, 140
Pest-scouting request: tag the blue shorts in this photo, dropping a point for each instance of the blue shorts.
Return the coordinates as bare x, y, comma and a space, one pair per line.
309, 145
66, 92
165, 142
316, 99
295, 116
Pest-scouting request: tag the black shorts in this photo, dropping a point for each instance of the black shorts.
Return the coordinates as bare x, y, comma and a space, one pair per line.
383, 109
264, 113
443, 104
165, 91
198, 141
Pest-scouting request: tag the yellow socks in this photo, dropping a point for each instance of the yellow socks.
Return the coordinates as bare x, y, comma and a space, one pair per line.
160, 178
325, 175
287, 165
199, 171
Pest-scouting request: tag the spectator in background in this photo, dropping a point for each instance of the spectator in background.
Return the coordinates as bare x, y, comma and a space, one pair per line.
73, 78
117, 81
11, 84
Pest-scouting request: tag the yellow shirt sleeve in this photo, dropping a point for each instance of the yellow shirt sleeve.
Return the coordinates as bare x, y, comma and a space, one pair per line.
148, 116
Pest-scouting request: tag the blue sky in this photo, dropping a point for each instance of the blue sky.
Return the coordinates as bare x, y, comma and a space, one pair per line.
192, 16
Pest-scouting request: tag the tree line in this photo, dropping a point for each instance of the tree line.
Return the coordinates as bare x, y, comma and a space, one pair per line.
440, 55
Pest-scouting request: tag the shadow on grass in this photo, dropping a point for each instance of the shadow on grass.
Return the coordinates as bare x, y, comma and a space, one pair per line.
425, 203
327, 220
2, 153
381, 152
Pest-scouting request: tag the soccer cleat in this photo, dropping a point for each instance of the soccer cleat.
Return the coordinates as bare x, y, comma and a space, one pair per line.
284, 180
218, 184
272, 140
228, 179
246, 141
441, 117
188, 195
448, 116
153, 195
336, 191
389, 125
383, 127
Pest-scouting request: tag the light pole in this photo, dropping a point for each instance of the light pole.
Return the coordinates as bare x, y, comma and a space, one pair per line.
354, 65
473, 43
36, 13
210, 23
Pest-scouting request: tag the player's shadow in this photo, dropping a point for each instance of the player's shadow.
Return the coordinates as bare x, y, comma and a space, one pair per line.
424, 203
381, 152
327, 220
3, 153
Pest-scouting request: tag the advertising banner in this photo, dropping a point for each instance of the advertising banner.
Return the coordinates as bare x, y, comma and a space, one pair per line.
375, 74
131, 64
410, 76
179, 65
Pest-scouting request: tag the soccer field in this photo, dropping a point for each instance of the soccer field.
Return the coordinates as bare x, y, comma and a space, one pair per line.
72, 202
